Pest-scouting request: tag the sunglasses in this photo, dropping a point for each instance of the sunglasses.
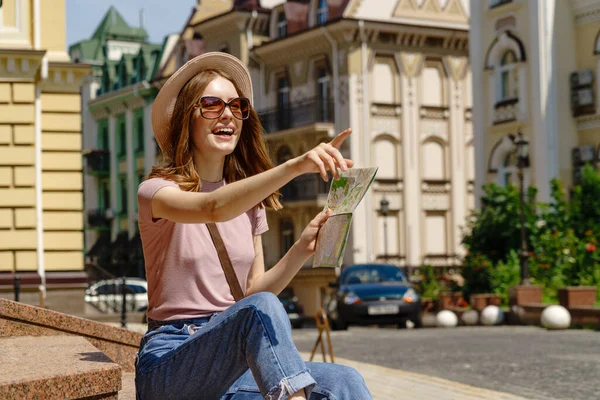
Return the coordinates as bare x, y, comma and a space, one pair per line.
213, 107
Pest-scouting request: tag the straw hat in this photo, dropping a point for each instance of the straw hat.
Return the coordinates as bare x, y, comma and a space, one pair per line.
164, 103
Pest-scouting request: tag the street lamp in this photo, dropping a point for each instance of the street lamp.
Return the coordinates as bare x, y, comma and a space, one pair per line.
522, 149
384, 205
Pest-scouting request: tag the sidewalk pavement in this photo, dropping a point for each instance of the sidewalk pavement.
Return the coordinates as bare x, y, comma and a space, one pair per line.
392, 384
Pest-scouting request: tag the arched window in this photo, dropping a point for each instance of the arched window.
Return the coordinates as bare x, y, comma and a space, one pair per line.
385, 153
434, 161
509, 77
507, 173
322, 12
281, 25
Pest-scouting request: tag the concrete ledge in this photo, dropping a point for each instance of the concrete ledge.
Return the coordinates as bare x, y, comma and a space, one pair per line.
17, 319
53, 367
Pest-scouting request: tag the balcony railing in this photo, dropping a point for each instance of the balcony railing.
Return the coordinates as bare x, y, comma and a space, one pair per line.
506, 111
305, 187
297, 114
97, 219
498, 3
98, 162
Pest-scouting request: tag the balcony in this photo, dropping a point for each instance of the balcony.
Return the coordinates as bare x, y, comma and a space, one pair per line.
297, 114
98, 162
506, 111
97, 219
305, 187
498, 3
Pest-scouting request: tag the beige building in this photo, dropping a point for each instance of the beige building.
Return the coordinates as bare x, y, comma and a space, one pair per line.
397, 72
535, 69
41, 204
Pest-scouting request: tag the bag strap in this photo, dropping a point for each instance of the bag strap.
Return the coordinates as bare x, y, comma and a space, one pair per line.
234, 284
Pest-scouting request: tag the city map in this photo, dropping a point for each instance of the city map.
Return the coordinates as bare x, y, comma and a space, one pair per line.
344, 196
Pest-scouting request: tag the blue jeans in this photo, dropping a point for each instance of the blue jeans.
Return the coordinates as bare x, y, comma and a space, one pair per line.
244, 352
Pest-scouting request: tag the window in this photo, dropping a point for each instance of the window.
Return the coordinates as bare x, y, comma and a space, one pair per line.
323, 95
509, 78
123, 75
103, 135
122, 139
123, 193
281, 25
498, 3
286, 227
283, 102
322, 12
142, 69
139, 133
104, 194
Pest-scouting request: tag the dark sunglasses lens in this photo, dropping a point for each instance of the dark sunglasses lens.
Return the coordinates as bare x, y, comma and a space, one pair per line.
211, 107
240, 108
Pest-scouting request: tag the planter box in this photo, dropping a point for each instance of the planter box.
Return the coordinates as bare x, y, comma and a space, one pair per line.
480, 301
574, 296
520, 295
448, 300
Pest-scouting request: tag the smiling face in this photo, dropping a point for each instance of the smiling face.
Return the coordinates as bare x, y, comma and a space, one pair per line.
216, 137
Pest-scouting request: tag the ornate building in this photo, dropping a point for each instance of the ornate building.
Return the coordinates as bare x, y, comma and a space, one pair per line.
119, 148
41, 208
397, 72
535, 70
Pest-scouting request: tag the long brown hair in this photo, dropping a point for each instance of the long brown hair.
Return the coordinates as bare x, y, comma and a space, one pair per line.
249, 157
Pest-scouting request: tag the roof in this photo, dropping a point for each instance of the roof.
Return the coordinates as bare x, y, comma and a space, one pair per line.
113, 26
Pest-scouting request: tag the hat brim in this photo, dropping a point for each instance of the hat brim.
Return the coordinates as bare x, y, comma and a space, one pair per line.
164, 103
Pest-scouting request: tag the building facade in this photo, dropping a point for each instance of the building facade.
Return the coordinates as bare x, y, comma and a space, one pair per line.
41, 207
535, 70
119, 149
397, 73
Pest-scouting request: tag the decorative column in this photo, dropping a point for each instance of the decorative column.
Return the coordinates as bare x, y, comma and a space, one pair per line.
114, 169
411, 159
149, 147
131, 169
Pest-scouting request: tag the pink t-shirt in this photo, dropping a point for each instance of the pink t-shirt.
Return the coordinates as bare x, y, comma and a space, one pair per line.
185, 277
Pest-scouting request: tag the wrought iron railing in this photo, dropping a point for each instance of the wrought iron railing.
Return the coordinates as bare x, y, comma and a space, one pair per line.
506, 111
98, 162
297, 114
97, 218
304, 187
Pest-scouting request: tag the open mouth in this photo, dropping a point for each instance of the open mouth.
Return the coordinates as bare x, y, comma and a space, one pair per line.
223, 132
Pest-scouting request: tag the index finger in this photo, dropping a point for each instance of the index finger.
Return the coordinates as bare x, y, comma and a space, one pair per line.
340, 138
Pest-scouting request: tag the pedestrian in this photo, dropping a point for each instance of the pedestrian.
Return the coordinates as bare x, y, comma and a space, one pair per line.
204, 210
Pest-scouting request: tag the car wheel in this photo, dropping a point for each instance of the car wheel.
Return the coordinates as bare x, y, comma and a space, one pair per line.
417, 321
339, 324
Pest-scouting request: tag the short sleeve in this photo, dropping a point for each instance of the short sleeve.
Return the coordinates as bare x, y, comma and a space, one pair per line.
146, 191
259, 221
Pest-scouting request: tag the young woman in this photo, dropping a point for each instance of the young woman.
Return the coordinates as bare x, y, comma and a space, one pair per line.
200, 343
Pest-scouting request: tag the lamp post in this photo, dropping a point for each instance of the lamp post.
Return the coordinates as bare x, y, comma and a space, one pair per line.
384, 205
522, 148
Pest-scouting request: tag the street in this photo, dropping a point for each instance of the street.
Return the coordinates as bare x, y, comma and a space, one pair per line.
526, 361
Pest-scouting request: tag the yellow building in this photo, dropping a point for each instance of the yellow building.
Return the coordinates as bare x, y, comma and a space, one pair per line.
41, 202
535, 66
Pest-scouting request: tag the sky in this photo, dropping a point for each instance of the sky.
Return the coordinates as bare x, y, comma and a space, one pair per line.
161, 17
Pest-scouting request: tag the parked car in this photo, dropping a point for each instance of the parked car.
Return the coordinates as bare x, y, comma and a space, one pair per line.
292, 307
106, 295
373, 294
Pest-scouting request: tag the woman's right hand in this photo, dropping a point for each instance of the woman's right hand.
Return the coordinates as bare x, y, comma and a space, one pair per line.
325, 157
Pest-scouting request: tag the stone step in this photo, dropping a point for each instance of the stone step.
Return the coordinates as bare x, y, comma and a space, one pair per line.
128, 386
56, 367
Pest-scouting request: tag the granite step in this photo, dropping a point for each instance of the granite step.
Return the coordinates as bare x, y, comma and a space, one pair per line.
56, 367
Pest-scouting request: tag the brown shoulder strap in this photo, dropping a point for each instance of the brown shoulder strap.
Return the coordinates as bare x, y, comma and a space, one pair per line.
234, 284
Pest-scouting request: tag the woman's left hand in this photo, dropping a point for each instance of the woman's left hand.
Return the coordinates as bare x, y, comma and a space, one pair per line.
308, 239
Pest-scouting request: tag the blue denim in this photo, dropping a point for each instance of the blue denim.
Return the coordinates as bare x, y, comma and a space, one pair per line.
244, 352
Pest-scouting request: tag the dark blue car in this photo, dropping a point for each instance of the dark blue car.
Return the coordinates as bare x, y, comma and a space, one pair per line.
373, 294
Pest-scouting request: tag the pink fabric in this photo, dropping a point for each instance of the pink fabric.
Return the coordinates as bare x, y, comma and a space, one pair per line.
185, 277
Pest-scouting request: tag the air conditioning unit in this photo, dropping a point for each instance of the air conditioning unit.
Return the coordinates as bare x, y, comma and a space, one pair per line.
582, 78
583, 154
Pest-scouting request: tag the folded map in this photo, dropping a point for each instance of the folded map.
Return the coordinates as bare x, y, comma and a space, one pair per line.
344, 196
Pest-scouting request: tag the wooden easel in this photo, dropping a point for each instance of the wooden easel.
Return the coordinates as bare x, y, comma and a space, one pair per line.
323, 326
